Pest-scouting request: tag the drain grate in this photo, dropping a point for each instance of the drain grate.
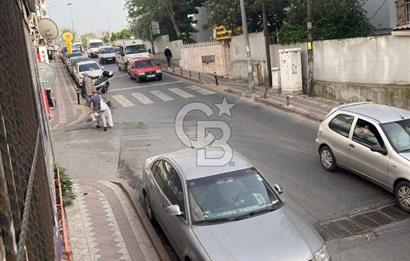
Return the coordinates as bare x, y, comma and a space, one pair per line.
394, 212
359, 223
372, 219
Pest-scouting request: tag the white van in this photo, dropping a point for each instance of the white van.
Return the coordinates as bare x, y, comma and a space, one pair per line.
128, 50
92, 46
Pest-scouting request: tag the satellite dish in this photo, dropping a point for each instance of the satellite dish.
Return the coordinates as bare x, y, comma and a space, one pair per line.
48, 29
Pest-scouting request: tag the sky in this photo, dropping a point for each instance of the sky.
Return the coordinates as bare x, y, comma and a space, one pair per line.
89, 15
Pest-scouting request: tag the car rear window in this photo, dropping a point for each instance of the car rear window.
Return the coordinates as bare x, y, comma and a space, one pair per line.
143, 63
341, 124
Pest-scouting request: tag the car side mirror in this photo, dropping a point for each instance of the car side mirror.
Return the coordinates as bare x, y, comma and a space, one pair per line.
278, 189
158, 64
379, 149
173, 210
102, 67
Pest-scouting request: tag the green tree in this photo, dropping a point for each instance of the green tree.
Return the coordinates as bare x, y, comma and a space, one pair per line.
228, 13
174, 17
332, 19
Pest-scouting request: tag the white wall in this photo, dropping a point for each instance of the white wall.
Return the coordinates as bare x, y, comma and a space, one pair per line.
161, 42
371, 60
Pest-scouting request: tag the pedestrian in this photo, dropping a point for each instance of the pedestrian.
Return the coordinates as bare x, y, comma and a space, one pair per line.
168, 55
96, 111
87, 87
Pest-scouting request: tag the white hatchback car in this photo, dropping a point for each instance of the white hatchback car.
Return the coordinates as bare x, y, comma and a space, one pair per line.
372, 140
92, 68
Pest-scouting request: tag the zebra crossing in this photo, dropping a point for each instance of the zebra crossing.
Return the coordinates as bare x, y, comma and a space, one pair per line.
165, 95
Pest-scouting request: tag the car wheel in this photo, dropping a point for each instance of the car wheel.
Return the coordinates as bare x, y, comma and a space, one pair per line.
159, 78
148, 207
104, 89
327, 159
102, 61
402, 193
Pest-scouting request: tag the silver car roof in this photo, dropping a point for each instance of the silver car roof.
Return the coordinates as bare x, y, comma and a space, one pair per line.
186, 161
378, 112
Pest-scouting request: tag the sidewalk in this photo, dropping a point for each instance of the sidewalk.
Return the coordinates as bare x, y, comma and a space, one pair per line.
311, 107
67, 112
104, 225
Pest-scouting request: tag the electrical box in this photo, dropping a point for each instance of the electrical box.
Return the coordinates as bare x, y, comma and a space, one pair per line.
290, 61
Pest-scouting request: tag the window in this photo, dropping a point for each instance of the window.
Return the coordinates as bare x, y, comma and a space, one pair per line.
366, 134
144, 63
229, 196
399, 134
160, 175
96, 44
140, 48
174, 191
89, 67
341, 124
107, 50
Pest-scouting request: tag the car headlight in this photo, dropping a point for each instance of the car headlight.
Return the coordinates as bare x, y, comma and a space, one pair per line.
141, 74
322, 254
158, 71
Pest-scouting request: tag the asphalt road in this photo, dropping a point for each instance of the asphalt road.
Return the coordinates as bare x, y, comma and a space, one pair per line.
280, 144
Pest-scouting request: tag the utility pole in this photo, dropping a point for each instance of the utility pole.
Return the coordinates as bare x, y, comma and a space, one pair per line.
266, 35
151, 35
310, 48
71, 16
251, 84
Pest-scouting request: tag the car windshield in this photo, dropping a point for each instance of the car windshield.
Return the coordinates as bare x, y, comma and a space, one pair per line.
399, 134
143, 63
96, 45
230, 196
107, 50
74, 54
140, 48
88, 67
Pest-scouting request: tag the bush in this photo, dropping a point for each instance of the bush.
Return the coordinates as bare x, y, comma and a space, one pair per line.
66, 187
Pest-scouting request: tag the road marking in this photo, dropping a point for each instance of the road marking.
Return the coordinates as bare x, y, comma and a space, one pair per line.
181, 93
200, 90
145, 86
162, 96
142, 98
123, 101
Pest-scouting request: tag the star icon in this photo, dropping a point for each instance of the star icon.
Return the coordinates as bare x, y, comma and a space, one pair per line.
224, 108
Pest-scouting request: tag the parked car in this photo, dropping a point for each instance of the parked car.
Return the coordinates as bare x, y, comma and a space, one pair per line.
92, 68
143, 69
74, 62
74, 55
371, 140
68, 56
106, 54
224, 213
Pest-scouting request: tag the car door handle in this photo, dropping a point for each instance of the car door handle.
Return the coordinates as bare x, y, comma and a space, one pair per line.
351, 146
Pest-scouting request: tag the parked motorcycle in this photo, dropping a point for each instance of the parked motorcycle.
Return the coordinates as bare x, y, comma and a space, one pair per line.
101, 83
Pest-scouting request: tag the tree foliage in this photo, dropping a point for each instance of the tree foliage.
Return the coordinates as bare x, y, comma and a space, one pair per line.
174, 17
332, 19
85, 36
228, 13
121, 34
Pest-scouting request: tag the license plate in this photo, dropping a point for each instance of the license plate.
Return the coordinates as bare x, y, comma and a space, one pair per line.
151, 76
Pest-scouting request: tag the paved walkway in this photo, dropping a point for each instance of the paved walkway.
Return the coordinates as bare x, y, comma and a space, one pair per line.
312, 107
103, 225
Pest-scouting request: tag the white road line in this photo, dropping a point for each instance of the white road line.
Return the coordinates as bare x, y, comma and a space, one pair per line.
123, 101
142, 98
162, 96
181, 93
144, 86
200, 90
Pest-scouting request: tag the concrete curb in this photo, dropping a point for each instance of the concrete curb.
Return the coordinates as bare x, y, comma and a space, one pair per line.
251, 97
149, 229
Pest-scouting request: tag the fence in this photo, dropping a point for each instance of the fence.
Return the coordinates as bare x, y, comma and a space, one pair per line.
26, 201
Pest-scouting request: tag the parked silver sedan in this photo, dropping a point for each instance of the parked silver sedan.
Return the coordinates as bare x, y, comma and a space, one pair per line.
224, 213
372, 140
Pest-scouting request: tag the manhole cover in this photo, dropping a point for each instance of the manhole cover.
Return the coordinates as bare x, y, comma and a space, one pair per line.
394, 212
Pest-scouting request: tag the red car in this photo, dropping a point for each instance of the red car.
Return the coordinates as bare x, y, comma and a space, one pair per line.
143, 69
